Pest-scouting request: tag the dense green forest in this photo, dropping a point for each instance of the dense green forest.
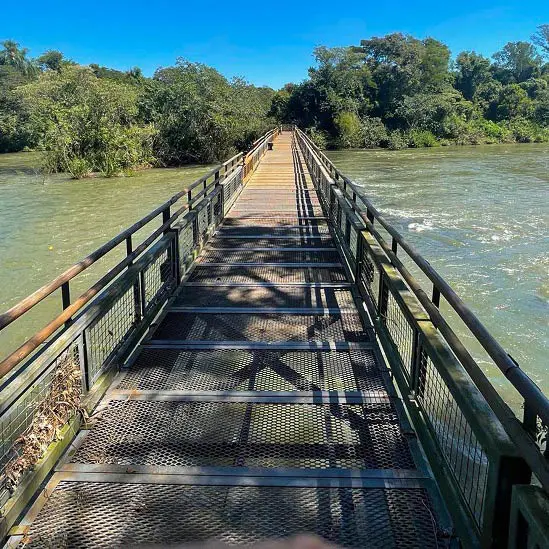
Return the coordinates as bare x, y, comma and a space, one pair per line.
394, 91
95, 119
398, 91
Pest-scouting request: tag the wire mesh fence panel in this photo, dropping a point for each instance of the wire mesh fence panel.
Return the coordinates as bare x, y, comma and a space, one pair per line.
400, 330
158, 279
32, 420
109, 332
456, 439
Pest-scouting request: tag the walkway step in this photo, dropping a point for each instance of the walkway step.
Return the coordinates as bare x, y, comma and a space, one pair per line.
345, 326
257, 370
276, 274
271, 256
139, 512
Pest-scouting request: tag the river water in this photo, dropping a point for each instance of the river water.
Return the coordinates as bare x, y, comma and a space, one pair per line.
47, 224
480, 215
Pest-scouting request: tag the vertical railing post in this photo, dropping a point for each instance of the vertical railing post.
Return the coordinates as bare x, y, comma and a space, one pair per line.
83, 360
66, 300
136, 296
359, 258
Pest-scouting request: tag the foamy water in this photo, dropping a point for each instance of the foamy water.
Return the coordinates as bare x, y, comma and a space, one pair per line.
480, 215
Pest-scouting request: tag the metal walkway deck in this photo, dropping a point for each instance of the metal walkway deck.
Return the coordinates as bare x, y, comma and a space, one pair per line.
259, 406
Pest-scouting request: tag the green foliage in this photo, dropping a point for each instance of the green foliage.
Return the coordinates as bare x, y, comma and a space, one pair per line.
472, 71
526, 131
396, 140
14, 56
392, 91
517, 61
318, 137
200, 115
396, 91
349, 130
513, 102
541, 39
374, 133
52, 60
421, 138
86, 124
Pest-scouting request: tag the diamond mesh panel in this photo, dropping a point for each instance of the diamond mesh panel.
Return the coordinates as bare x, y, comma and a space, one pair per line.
261, 327
19, 416
139, 432
254, 370
100, 515
186, 246
251, 275
401, 332
109, 332
369, 276
159, 280
243, 243
219, 256
281, 296
457, 441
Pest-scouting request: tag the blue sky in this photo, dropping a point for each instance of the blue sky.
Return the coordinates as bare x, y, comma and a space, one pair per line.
268, 43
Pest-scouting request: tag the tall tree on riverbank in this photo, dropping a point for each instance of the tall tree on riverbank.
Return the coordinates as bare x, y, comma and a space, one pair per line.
413, 96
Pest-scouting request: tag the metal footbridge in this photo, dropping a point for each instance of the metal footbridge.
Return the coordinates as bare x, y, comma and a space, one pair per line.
264, 364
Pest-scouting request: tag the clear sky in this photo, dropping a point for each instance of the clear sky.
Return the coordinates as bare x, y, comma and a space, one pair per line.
267, 42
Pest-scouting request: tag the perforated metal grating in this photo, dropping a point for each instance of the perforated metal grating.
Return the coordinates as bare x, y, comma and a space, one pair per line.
279, 231
261, 327
243, 243
98, 515
271, 221
251, 274
264, 296
257, 370
270, 256
138, 432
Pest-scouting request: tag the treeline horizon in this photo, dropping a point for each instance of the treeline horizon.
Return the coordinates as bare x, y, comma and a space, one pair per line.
394, 91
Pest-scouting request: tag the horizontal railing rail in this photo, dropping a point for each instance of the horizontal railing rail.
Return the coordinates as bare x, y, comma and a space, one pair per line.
484, 448
100, 328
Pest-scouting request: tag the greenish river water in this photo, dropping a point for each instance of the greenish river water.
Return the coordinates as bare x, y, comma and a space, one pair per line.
47, 224
480, 215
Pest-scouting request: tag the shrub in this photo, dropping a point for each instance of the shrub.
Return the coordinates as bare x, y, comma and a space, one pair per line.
422, 138
318, 137
349, 130
396, 141
374, 133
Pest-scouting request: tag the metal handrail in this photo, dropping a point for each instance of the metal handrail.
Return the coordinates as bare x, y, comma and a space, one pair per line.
536, 403
519, 379
219, 173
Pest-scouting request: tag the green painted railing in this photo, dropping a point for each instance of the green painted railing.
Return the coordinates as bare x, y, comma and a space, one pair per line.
478, 449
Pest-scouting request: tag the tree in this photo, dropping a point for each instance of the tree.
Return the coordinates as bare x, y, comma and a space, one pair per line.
435, 58
513, 102
541, 39
52, 60
200, 115
16, 57
472, 70
87, 124
519, 60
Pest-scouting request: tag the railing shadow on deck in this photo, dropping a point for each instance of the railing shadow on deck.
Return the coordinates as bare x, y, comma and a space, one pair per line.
99, 329
476, 445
